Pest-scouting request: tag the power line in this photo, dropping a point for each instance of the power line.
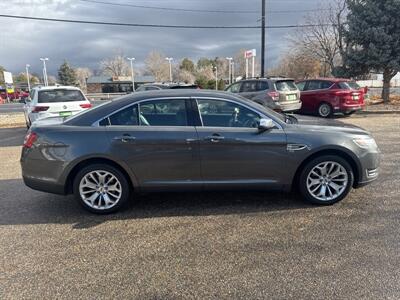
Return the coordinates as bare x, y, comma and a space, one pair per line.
202, 10
159, 25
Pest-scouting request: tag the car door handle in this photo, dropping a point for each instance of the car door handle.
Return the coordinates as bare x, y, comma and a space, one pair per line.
125, 138
214, 138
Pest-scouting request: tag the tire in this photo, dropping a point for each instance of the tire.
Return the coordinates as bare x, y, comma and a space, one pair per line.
325, 110
326, 190
92, 181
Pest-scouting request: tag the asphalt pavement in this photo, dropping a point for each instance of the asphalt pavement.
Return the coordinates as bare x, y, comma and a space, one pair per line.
11, 107
203, 245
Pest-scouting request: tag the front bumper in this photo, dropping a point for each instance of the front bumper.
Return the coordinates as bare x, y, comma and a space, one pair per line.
369, 171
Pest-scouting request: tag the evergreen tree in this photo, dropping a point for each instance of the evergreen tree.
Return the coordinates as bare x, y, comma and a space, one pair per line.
66, 74
373, 37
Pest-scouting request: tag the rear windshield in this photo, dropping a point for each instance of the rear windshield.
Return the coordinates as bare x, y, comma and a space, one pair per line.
60, 95
184, 87
349, 85
285, 85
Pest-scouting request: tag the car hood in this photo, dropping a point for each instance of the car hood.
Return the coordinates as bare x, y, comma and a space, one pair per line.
331, 125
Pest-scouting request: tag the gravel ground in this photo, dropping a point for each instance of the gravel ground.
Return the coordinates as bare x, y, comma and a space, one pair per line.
203, 246
8, 120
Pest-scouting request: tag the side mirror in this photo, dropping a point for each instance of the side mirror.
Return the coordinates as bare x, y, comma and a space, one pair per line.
266, 124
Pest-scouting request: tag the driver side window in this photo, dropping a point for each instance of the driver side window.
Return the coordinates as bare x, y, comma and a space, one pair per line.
220, 113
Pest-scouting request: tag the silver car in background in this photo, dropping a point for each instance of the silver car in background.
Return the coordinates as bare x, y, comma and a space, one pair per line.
279, 94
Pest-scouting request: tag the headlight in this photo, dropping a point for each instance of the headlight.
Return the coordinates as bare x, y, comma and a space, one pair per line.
365, 142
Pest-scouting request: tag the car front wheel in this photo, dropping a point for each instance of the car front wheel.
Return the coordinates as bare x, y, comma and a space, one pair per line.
326, 180
101, 188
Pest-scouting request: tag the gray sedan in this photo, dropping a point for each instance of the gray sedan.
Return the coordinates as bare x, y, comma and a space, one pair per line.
194, 140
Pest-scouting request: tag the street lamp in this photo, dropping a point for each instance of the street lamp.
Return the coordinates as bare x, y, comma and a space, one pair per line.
46, 82
27, 76
170, 67
233, 71
131, 59
230, 68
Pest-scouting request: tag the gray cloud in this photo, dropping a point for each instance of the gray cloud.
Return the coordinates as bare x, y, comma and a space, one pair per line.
83, 45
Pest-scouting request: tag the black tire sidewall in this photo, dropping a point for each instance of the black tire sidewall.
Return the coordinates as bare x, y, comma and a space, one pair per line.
330, 110
117, 173
310, 165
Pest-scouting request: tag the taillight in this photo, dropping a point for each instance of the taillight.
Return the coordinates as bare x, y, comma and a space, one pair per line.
85, 105
36, 109
274, 95
30, 138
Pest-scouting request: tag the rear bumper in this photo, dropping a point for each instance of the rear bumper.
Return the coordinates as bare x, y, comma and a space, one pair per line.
287, 106
346, 108
44, 186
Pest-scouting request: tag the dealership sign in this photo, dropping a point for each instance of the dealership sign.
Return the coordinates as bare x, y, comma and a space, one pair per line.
8, 77
250, 53
247, 55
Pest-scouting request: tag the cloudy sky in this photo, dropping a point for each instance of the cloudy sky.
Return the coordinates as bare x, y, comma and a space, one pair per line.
25, 41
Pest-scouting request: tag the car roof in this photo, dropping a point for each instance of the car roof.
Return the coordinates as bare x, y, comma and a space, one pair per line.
328, 79
56, 87
96, 113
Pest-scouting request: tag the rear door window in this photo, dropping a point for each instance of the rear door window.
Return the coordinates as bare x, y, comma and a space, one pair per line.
249, 86
60, 95
262, 85
325, 84
125, 117
350, 85
285, 86
169, 112
313, 85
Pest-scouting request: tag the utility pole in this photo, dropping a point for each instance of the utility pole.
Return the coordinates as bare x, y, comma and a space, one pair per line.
46, 82
263, 39
233, 71
230, 69
27, 77
170, 67
131, 59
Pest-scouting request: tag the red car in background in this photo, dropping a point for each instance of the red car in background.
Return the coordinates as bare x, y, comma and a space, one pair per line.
18, 94
327, 96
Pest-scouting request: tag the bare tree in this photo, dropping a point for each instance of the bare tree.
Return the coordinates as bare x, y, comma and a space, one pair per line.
323, 38
115, 66
82, 74
157, 66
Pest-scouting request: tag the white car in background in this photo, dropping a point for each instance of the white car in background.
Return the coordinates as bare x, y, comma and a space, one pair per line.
54, 101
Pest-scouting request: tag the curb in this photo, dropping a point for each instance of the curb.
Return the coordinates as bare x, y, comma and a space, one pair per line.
378, 112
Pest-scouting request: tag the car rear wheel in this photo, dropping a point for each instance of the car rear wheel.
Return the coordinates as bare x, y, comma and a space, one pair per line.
101, 188
325, 110
326, 180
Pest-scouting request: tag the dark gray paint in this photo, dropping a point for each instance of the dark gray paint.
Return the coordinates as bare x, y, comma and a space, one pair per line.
176, 158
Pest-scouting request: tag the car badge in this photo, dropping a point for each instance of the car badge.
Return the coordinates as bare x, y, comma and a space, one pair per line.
65, 107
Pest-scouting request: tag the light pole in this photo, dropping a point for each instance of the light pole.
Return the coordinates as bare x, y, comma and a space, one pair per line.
216, 78
131, 59
170, 67
233, 71
230, 68
27, 76
46, 82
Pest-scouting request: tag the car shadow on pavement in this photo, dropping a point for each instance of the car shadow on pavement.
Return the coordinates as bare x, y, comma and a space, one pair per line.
20, 205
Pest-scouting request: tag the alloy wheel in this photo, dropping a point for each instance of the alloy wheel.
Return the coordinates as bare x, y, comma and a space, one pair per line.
100, 189
324, 110
327, 181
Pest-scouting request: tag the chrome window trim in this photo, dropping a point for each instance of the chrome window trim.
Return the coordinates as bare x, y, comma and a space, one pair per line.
278, 125
97, 123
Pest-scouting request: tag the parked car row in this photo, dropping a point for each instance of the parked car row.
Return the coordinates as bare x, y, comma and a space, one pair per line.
322, 97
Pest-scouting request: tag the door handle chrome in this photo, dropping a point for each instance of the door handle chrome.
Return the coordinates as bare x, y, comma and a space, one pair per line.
125, 138
214, 138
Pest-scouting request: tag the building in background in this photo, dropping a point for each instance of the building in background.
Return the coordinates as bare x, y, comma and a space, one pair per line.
120, 84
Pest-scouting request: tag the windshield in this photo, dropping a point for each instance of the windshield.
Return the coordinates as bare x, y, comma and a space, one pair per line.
60, 95
286, 86
349, 85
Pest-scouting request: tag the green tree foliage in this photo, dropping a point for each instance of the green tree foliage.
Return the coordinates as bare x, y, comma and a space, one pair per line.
373, 37
187, 65
205, 62
66, 74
